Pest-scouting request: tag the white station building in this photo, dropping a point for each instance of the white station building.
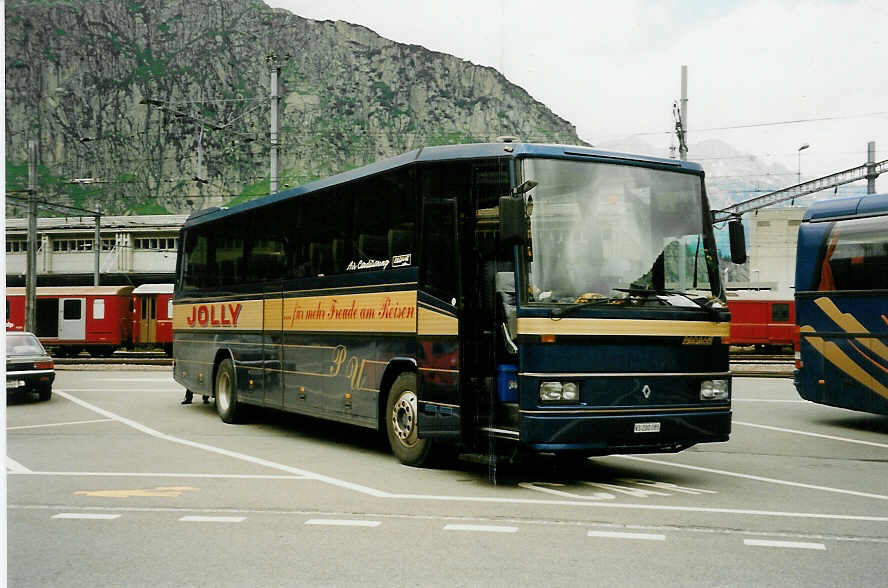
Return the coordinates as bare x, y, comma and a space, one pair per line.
135, 250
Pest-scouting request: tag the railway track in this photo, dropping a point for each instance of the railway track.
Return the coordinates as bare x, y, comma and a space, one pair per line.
118, 358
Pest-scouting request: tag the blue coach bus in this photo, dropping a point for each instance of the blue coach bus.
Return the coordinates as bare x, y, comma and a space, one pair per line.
842, 303
519, 296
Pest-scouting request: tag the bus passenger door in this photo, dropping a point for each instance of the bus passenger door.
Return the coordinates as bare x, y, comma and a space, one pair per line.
72, 319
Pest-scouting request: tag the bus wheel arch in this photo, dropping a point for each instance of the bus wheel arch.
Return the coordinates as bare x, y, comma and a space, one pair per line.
401, 421
395, 368
224, 387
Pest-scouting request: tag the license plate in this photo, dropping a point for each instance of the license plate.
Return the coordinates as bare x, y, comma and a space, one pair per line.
14, 384
647, 427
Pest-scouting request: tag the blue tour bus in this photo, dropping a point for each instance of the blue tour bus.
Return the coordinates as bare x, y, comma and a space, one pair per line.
519, 296
842, 303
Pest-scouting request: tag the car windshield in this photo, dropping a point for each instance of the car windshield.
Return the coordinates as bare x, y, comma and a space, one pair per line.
607, 232
23, 344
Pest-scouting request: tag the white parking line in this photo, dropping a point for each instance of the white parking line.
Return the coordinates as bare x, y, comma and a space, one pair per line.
15, 467
145, 379
202, 519
481, 528
785, 544
171, 391
616, 535
86, 515
342, 523
58, 424
807, 434
161, 475
769, 400
751, 477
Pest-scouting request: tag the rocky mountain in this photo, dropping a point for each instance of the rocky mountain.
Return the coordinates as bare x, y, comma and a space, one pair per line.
163, 105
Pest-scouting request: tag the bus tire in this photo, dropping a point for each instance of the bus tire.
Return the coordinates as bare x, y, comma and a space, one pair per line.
401, 422
227, 405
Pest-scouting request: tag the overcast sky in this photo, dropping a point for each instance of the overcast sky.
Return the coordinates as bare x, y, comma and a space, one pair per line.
614, 68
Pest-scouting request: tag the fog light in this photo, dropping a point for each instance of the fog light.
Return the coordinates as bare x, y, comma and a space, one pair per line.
569, 392
551, 391
714, 390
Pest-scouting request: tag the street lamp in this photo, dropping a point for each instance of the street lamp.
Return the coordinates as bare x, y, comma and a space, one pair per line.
802, 148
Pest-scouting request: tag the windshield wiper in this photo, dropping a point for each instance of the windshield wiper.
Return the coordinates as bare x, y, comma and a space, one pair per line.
708, 305
649, 292
562, 311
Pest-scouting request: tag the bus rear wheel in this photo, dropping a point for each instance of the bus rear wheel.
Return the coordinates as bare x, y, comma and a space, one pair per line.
401, 416
227, 405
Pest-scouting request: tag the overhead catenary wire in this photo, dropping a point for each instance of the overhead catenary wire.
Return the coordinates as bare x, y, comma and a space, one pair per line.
754, 124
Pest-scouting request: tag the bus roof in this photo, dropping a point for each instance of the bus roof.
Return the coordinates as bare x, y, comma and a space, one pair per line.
446, 153
869, 205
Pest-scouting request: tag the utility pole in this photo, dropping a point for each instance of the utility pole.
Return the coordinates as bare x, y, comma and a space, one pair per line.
97, 247
683, 139
275, 130
871, 174
682, 129
31, 269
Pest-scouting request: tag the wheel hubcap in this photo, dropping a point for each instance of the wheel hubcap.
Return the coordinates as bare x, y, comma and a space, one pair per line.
404, 418
223, 392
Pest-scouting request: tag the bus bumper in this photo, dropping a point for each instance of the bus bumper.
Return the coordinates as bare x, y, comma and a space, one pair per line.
603, 435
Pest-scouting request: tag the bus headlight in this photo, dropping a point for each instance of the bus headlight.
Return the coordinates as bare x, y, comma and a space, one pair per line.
714, 390
559, 392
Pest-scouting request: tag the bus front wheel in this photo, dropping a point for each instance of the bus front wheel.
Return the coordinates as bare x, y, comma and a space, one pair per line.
401, 422
227, 405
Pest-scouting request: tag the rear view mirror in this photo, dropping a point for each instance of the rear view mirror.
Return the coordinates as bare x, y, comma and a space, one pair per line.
513, 224
738, 241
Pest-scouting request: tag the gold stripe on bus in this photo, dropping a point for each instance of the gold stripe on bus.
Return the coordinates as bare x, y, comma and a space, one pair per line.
436, 323
850, 324
377, 312
235, 315
834, 354
627, 327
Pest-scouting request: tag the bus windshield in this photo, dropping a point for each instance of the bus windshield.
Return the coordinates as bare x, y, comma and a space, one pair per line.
601, 231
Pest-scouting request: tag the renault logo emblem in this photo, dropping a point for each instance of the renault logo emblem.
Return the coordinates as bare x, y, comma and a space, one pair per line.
646, 391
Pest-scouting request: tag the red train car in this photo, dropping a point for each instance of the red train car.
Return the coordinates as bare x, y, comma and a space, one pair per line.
71, 319
153, 316
766, 320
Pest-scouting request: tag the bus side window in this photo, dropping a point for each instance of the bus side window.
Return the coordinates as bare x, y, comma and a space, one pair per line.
440, 186
440, 249
264, 247
856, 256
196, 257
375, 225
